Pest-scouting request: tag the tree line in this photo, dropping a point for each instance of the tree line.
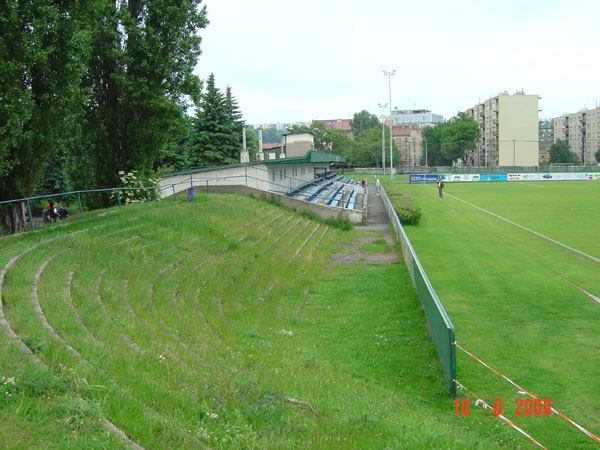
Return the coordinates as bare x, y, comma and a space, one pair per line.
451, 141
447, 142
92, 88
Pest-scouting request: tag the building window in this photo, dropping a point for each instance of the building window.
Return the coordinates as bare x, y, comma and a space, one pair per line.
285, 174
273, 175
280, 175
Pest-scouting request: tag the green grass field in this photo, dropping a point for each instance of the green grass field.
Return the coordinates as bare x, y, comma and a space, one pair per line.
515, 298
228, 323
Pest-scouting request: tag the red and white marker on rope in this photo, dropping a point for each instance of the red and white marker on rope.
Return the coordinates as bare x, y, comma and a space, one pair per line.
480, 401
554, 410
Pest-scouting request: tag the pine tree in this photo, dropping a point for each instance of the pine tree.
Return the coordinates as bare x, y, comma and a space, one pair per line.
235, 125
211, 141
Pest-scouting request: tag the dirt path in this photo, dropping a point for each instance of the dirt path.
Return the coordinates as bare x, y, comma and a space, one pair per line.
377, 228
378, 219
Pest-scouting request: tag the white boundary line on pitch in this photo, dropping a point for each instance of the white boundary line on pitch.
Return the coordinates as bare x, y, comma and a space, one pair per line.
590, 295
543, 236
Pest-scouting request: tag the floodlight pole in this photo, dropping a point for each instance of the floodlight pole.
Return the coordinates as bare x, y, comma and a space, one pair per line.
389, 74
426, 164
383, 106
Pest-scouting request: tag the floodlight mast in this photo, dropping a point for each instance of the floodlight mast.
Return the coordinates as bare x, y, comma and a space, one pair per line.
383, 106
389, 74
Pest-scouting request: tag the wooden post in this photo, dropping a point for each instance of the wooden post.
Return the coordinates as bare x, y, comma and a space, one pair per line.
79, 203
30, 215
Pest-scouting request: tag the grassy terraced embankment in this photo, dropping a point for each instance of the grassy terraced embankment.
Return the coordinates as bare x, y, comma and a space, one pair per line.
227, 323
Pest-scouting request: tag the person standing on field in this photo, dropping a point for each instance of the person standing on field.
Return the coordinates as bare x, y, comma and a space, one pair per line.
440, 184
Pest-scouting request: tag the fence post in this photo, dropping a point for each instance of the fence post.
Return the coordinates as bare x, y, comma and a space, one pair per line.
30, 215
173, 186
118, 197
79, 203
207, 186
191, 184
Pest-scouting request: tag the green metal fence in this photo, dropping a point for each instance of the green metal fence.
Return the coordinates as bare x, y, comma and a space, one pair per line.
552, 168
31, 208
439, 324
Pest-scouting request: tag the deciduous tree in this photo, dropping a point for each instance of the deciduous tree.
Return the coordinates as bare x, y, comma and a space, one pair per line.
140, 82
435, 156
251, 142
367, 148
43, 52
459, 138
561, 153
363, 120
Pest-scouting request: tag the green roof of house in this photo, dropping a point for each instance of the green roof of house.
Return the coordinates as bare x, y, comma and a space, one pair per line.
312, 156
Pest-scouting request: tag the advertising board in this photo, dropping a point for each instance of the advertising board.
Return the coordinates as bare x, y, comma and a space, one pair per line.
512, 177
423, 178
493, 177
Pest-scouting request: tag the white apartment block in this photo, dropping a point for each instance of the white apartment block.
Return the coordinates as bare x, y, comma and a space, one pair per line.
508, 127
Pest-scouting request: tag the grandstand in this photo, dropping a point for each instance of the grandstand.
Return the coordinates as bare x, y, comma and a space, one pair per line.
309, 182
331, 190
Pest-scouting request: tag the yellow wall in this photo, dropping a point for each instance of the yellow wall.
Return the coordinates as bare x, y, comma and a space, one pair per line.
518, 121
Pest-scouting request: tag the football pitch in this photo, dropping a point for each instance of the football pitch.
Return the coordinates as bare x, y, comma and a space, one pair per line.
517, 267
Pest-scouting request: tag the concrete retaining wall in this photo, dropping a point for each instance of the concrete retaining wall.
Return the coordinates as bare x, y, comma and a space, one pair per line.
256, 176
323, 211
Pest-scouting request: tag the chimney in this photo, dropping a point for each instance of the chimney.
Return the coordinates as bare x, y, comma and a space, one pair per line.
244, 156
261, 155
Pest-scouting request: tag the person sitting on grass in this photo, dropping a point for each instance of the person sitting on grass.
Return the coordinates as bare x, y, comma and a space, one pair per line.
53, 214
50, 213
63, 212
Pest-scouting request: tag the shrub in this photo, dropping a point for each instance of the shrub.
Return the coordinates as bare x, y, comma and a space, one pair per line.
409, 214
407, 211
138, 194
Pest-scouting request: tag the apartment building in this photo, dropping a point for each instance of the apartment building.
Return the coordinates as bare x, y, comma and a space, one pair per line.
419, 117
409, 140
337, 124
581, 130
546, 138
508, 127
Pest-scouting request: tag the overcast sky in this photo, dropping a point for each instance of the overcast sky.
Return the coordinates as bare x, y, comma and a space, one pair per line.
322, 59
